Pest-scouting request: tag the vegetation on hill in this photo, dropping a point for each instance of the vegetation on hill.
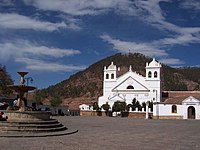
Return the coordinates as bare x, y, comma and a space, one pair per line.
89, 82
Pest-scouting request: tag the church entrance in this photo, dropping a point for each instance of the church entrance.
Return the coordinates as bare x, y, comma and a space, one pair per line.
191, 112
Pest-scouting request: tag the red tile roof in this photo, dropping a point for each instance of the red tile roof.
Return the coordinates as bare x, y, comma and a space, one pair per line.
176, 97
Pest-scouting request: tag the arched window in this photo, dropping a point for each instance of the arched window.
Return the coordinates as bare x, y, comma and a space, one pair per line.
130, 87
107, 76
174, 109
149, 74
112, 76
155, 74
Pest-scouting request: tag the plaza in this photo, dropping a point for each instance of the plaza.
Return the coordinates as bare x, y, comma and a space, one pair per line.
114, 133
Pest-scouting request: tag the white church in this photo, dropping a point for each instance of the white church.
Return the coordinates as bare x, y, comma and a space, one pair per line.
132, 85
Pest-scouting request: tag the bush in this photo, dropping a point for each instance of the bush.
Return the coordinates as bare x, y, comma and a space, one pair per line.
119, 106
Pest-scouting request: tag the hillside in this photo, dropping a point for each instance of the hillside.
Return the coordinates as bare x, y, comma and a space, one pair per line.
86, 85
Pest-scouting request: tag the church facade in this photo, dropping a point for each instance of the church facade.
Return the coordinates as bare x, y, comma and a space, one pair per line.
131, 85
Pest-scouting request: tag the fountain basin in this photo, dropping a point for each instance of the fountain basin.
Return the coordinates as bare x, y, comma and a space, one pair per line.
27, 115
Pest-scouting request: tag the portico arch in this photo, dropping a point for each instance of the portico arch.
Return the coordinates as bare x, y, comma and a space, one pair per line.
191, 112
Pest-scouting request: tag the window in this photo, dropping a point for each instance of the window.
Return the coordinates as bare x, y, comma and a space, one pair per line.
155, 74
130, 87
107, 76
112, 76
149, 74
174, 109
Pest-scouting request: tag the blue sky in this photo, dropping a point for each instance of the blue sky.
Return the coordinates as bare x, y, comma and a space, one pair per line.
53, 39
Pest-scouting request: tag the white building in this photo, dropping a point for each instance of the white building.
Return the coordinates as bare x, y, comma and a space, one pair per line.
131, 85
179, 105
85, 107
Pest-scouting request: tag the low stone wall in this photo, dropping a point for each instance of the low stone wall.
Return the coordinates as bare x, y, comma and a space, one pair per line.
140, 115
92, 113
168, 117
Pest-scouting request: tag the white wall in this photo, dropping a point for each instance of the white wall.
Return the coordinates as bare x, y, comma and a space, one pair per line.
182, 110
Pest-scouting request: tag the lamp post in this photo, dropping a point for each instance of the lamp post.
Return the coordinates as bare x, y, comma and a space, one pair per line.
147, 110
157, 115
29, 79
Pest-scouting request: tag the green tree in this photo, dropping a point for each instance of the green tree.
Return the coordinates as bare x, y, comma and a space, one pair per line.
5, 79
137, 104
106, 107
119, 106
55, 101
144, 106
96, 106
128, 107
134, 104
151, 105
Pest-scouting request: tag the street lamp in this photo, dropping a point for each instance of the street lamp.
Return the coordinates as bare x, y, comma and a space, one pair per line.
157, 115
147, 110
29, 79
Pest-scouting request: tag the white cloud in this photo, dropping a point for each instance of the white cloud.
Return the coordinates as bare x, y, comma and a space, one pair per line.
191, 4
83, 7
171, 61
24, 52
148, 11
145, 48
184, 39
16, 21
25, 48
39, 65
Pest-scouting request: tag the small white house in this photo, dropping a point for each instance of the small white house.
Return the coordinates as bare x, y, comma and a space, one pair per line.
186, 105
84, 107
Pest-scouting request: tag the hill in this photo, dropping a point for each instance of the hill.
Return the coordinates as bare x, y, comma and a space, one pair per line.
86, 86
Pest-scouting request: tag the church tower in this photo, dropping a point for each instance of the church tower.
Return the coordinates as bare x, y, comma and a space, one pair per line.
109, 78
153, 79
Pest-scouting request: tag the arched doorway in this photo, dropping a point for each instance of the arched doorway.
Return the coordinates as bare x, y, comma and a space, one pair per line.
191, 112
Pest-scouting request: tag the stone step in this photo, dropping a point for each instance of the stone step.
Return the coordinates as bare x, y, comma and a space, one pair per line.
52, 121
16, 129
30, 125
37, 134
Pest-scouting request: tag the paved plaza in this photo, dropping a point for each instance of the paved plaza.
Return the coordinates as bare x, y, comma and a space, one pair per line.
114, 133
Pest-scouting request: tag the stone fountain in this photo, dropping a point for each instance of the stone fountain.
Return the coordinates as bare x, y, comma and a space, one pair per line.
20, 90
23, 122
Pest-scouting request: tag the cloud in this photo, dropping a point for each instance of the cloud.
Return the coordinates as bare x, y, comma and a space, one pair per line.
26, 48
6, 3
149, 11
171, 61
39, 65
79, 8
25, 52
184, 39
16, 21
145, 48
191, 4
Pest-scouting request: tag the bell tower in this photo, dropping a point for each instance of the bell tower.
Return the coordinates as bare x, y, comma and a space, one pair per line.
153, 79
109, 78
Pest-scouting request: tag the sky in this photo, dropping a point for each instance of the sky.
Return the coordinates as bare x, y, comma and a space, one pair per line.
53, 39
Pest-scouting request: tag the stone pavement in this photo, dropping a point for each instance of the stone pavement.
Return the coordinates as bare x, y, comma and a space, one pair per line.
114, 133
